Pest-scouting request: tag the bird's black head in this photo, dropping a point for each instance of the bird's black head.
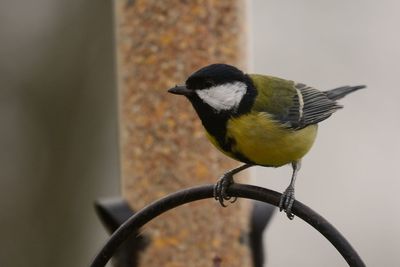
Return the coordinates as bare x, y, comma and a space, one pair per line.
221, 87
218, 92
213, 75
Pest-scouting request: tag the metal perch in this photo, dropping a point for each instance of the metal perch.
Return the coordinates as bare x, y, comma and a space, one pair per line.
176, 199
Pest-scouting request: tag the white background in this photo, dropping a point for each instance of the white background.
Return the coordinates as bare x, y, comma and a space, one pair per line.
351, 176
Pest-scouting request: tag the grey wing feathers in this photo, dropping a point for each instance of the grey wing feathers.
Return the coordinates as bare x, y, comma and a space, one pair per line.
310, 106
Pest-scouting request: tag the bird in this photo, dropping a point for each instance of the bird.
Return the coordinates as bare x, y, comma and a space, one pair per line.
259, 120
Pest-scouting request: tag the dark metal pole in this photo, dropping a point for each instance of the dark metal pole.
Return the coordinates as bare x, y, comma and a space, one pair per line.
237, 190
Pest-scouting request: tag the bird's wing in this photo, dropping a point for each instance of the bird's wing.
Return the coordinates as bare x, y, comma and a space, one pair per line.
295, 105
310, 106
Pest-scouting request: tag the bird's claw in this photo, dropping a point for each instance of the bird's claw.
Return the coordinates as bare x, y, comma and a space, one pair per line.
286, 202
221, 188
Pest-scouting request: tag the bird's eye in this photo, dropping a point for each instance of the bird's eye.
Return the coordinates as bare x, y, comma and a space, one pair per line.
209, 83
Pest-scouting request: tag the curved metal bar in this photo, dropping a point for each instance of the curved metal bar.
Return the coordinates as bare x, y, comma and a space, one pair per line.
176, 199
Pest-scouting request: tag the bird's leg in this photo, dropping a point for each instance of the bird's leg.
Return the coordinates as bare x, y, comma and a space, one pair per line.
287, 198
220, 189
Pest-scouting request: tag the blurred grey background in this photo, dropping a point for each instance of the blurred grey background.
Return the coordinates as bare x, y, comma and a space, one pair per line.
58, 135
58, 132
351, 176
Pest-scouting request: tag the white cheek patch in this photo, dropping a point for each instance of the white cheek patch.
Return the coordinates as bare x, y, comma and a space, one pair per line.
223, 97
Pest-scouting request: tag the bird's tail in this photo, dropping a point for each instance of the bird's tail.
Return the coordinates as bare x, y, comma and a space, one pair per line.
341, 92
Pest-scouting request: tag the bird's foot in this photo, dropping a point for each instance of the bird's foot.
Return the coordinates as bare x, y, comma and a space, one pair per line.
221, 188
286, 202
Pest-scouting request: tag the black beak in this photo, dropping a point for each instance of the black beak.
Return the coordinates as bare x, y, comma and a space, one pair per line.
180, 90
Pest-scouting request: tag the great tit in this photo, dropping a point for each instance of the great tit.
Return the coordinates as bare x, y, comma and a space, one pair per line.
258, 119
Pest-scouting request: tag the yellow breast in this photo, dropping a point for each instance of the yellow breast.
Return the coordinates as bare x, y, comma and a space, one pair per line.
265, 142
